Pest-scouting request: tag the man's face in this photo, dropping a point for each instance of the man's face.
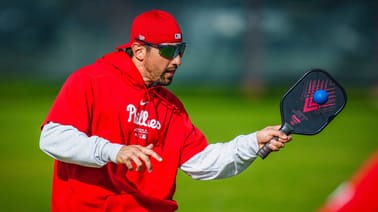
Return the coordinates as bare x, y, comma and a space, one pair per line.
159, 68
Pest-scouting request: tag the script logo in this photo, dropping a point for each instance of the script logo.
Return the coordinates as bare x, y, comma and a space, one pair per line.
141, 118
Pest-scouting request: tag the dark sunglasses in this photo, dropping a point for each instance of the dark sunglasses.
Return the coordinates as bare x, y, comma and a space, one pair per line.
166, 50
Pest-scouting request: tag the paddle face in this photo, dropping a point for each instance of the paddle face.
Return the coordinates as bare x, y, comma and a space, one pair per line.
309, 105
300, 114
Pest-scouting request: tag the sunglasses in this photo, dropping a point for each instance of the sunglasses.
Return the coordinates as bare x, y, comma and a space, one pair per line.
166, 50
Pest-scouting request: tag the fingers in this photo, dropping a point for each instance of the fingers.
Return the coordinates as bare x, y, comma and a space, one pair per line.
129, 165
274, 138
152, 153
275, 132
275, 145
270, 132
138, 156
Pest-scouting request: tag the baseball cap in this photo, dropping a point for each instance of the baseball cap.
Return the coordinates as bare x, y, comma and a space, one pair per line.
154, 26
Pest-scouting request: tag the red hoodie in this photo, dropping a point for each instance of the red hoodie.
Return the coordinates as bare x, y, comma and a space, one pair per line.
360, 193
109, 99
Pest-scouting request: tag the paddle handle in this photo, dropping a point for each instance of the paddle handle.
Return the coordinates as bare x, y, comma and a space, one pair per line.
265, 150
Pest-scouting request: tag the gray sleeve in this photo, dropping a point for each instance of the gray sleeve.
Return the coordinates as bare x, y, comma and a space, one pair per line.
67, 144
222, 160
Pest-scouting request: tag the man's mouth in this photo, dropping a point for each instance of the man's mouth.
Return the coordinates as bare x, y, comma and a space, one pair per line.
170, 72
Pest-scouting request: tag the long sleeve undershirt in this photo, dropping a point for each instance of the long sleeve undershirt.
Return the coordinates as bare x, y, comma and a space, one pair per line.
219, 160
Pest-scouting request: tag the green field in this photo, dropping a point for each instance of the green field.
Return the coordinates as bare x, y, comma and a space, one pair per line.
298, 178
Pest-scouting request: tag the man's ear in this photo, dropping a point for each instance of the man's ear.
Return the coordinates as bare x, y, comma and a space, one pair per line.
139, 51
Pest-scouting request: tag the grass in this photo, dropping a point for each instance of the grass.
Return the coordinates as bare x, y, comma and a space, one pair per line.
299, 178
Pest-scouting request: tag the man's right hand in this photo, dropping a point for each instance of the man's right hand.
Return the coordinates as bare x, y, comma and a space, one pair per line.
137, 155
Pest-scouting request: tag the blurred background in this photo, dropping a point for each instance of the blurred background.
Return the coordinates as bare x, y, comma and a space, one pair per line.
228, 42
241, 57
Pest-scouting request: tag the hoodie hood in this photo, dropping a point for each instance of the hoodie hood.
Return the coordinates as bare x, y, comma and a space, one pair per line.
123, 63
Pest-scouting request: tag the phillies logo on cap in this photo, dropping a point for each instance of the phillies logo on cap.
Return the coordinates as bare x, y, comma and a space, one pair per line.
178, 36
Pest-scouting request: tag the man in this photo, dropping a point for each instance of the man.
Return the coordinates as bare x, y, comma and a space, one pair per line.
118, 136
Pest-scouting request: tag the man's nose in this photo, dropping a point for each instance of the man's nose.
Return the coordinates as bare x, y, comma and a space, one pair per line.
177, 60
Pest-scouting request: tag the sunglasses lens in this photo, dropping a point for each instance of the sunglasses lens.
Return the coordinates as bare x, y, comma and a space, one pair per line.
167, 51
171, 52
182, 49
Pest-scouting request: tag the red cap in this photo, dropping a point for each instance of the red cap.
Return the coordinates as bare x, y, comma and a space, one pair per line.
154, 26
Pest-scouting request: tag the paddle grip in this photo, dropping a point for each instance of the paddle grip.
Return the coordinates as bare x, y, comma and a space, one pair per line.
265, 150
